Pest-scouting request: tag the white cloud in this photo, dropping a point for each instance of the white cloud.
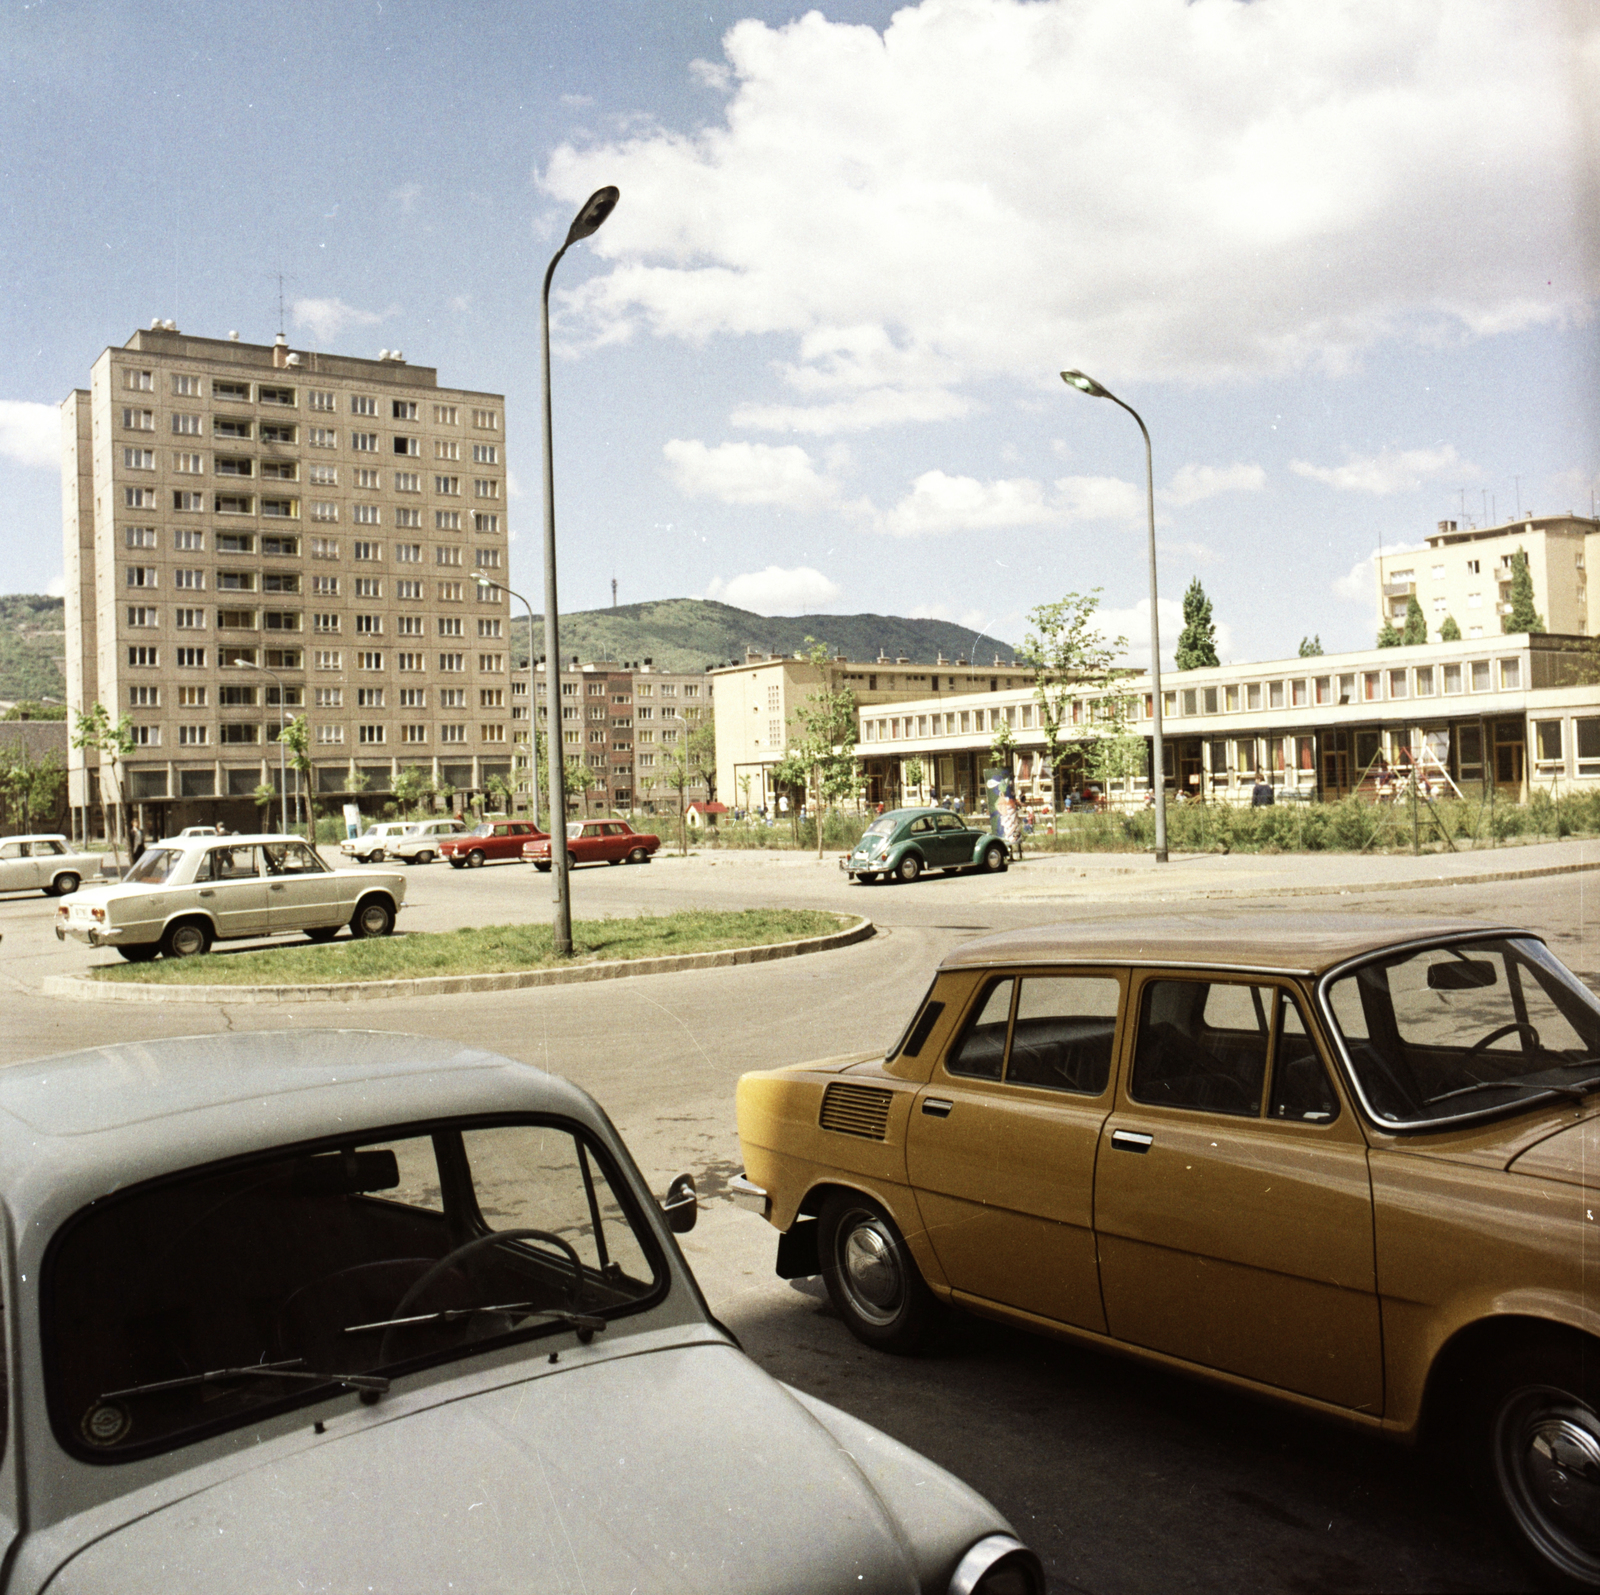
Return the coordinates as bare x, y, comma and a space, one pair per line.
938, 503
781, 477
1101, 498
30, 433
774, 591
1249, 189
1357, 585
1392, 471
1134, 624
56, 587
975, 620
1191, 483
859, 413
327, 318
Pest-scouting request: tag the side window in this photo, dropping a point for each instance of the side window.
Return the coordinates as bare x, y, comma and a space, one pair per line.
982, 1047
949, 822
10, 849
291, 858
232, 863
1202, 1045
922, 825
1064, 1031
1300, 1086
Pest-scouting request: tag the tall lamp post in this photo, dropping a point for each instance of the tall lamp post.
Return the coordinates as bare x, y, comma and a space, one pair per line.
1087, 384
283, 766
533, 712
597, 207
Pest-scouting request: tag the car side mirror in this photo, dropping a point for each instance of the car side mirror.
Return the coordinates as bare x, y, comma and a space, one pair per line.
681, 1207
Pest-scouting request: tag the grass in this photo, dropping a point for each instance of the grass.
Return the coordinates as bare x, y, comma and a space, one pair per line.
484, 950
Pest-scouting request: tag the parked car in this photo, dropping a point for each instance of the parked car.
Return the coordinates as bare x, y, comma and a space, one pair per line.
362, 1310
900, 845
45, 863
495, 840
1352, 1164
188, 892
420, 845
375, 843
596, 842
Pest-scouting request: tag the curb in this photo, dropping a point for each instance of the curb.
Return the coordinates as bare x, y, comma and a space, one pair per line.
76, 986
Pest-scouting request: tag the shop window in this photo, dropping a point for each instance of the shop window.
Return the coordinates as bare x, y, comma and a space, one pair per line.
1587, 733
1547, 739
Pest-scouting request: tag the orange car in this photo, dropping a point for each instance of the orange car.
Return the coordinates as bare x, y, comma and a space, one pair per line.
596, 842
1350, 1164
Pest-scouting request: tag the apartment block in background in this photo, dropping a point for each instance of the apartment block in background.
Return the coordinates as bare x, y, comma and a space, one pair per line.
254, 533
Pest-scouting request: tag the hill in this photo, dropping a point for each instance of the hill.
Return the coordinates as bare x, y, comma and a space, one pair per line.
32, 647
691, 633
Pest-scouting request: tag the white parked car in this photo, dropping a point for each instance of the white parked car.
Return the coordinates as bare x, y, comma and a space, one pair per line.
421, 844
187, 892
376, 842
44, 864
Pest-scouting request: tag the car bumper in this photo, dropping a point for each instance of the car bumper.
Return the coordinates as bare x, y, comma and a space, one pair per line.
864, 866
750, 1195
90, 935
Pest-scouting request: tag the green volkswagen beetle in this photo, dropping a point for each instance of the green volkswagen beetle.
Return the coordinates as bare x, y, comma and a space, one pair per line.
902, 844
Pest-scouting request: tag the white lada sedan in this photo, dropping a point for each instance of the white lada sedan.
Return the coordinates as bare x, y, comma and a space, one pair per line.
186, 892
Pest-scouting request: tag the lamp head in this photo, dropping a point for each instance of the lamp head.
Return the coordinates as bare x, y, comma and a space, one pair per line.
1084, 384
596, 208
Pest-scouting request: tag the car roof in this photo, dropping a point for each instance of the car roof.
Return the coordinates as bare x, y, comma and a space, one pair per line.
75, 1126
233, 838
1304, 944
36, 836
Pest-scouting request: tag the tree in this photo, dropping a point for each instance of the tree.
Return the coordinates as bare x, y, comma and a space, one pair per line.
1389, 636
296, 740
1069, 654
31, 788
499, 787
1197, 644
263, 797
95, 732
828, 743
1001, 747
790, 775
34, 710
1523, 616
1416, 627
676, 772
702, 745
413, 786
744, 787
1311, 647
1449, 631
912, 773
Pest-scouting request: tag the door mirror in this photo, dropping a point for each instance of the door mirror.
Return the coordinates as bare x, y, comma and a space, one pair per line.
681, 1207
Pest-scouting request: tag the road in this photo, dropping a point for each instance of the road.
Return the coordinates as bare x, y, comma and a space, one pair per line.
1124, 1479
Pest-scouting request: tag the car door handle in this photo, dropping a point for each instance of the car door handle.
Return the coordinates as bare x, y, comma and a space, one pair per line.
1131, 1140
275, 886
937, 1107
206, 891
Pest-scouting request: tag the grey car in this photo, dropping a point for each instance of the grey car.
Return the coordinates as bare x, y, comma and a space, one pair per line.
352, 1311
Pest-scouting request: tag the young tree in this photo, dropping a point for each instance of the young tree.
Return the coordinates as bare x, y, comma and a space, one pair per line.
701, 741
499, 788
296, 740
31, 787
264, 796
1001, 746
1389, 636
1523, 616
1416, 626
413, 787
913, 775
1069, 654
1197, 643
95, 732
790, 775
676, 772
1311, 647
1449, 631
744, 788
828, 743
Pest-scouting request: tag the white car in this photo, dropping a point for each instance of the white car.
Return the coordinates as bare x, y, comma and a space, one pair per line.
377, 841
44, 864
187, 892
421, 845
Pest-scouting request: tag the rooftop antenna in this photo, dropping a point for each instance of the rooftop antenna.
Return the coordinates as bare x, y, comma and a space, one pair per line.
1518, 481
613, 592
281, 331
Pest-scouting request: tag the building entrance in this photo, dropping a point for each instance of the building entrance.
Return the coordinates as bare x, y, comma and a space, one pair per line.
1335, 764
1510, 756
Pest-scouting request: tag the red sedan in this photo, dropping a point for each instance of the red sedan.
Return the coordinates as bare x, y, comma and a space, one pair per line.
596, 842
493, 840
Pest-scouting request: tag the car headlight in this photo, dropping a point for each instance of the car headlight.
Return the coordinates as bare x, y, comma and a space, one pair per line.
998, 1564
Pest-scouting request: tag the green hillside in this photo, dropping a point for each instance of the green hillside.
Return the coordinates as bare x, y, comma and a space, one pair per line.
32, 647
691, 633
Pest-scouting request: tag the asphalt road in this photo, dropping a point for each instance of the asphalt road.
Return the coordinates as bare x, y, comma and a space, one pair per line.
1123, 1478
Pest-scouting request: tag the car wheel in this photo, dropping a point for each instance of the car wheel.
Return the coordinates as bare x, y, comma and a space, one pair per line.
323, 932
543, 869
638, 856
475, 858
189, 938
909, 868
424, 857
994, 858
613, 861
1539, 1453
872, 1281
64, 885
376, 856
572, 859
373, 917
458, 863
141, 953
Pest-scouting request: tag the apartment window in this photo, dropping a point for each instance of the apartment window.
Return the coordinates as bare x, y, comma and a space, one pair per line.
410, 662
236, 581
146, 736
444, 555
189, 619
328, 659
144, 498
1452, 678
144, 697
363, 404
1510, 674
193, 736
449, 592
240, 733
142, 658
372, 734
139, 459
486, 420
1424, 681
413, 733
323, 437
369, 660
411, 626
406, 482
266, 395
1472, 568
1191, 701
326, 548
188, 426
403, 410
491, 664
443, 450
450, 663
453, 733
1371, 686
230, 503
280, 508
448, 485
189, 464
142, 576
1480, 675
404, 589
192, 659
1547, 741
281, 620
449, 625
236, 697
492, 733
139, 381
369, 625
446, 415
139, 536
364, 442
236, 620
408, 554
485, 453
330, 734
223, 426
369, 587
191, 697
139, 420
324, 511
486, 487
278, 432
369, 697
319, 399
369, 553
404, 445
1440, 606
491, 697
487, 559
486, 523
285, 659
235, 392
453, 698
235, 465
144, 617
1297, 694
1397, 684
366, 514
489, 628
1474, 600
1586, 733
281, 470
329, 697
447, 520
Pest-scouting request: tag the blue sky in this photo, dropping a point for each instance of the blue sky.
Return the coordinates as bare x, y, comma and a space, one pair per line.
1334, 253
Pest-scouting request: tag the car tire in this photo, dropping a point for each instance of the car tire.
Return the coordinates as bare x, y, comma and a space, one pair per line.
376, 856
908, 869
322, 933
373, 917
1538, 1454
140, 952
543, 869
65, 884
424, 857
613, 861
994, 859
458, 863
475, 858
639, 856
572, 859
873, 1282
187, 938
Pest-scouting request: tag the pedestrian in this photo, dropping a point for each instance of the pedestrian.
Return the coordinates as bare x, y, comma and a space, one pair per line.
135, 843
1261, 794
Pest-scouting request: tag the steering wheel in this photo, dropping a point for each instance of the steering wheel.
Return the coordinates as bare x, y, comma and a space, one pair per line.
478, 1244
1517, 1026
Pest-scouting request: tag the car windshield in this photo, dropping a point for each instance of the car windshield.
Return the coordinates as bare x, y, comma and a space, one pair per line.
574, 830
1464, 1029
191, 1305
884, 825
155, 866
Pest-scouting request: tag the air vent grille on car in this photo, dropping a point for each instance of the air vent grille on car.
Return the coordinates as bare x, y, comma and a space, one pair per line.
856, 1110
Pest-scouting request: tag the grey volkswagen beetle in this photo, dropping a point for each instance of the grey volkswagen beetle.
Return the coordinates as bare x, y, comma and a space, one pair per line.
341, 1310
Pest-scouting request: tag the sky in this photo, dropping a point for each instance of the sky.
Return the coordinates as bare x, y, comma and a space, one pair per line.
1340, 257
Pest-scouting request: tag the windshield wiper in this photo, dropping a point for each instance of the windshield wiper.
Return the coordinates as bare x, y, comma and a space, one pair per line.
259, 1370
1577, 1091
582, 1322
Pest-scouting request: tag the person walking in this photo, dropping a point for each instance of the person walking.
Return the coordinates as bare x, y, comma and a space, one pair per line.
1261, 794
135, 842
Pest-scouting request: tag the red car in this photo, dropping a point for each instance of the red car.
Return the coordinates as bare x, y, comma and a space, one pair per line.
494, 839
596, 842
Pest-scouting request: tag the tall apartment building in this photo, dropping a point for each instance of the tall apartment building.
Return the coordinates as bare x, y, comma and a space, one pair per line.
254, 533
668, 705
1466, 574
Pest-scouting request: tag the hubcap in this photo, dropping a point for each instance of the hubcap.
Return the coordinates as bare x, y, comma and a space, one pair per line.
871, 1270
1547, 1454
187, 942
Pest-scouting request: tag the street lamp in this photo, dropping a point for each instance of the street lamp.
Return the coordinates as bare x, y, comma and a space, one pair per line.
1087, 384
484, 584
283, 768
597, 207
